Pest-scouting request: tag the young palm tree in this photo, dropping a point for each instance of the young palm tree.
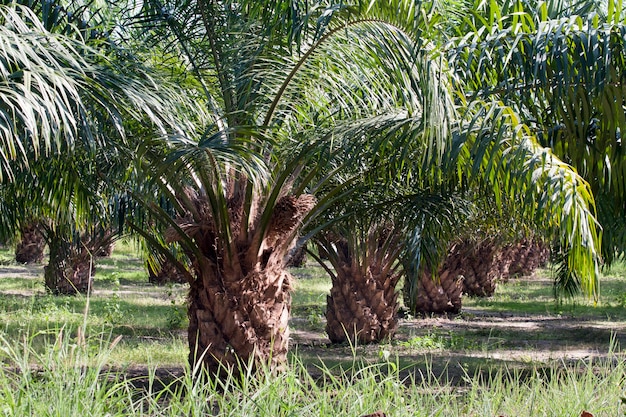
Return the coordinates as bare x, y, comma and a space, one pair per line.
365, 252
363, 302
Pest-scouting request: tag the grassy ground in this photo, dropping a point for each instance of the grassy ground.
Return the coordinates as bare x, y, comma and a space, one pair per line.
150, 319
517, 353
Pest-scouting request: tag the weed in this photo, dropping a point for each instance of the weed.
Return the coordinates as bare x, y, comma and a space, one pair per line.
112, 309
175, 317
314, 317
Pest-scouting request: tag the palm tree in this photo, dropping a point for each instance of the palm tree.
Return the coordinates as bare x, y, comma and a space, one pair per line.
317, 96
560, 66
363, 302
67, 96
365, 252
283, 90
524, 180
31, 244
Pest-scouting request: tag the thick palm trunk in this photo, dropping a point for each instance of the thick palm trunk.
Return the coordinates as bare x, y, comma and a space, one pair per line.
480, 263
525, 256
438, 295
31, 245
69, 270
239, 300
71, 265
363, 303
236, 320
362, 307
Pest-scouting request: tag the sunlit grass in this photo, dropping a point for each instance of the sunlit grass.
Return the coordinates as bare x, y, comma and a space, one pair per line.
535, 295
149, 318
417, 374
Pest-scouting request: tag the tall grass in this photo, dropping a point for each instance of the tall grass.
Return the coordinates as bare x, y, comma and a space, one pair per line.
70, 378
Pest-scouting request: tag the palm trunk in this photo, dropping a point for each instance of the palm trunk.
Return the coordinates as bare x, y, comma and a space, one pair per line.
362, 307
71, 265
237, 320
296, 258
426, 294
70, 268
363, 303
31, 245
239, 301
480, 263
525, 256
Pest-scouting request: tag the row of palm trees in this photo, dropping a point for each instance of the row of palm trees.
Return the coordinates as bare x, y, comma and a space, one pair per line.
384, 131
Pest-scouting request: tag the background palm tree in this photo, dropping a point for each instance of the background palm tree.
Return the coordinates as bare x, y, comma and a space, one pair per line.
70, 97
560, 66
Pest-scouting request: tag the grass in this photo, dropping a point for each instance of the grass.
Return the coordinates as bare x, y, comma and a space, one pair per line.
151, 319
72, 379
134, 330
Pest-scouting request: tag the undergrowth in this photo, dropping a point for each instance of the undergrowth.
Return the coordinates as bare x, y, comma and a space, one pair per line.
70, 378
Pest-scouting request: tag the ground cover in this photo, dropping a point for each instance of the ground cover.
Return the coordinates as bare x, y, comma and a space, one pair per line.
489, 357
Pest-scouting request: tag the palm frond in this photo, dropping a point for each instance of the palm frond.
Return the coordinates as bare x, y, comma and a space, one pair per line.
553, 195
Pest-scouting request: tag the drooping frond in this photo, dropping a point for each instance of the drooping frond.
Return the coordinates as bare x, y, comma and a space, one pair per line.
501, 151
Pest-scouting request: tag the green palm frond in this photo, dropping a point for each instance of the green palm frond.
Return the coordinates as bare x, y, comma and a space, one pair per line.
504, 153
563, 73
57, 91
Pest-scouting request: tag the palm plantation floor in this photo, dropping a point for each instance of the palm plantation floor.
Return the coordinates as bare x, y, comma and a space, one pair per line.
520, 328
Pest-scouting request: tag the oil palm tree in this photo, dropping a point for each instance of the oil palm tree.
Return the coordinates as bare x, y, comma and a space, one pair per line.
560, 66
318, 95
283, 90
69, 101
365, 252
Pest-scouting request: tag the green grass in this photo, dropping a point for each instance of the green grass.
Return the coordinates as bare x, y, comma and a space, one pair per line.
133, 329
150, 319
72, 378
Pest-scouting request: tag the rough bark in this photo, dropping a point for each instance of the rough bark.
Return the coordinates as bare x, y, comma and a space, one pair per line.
296, 258
362, 308
70, 268
239, 321
31, 246
239, 301
437, 295
525, 256
480, 263
71, 264
363, 303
